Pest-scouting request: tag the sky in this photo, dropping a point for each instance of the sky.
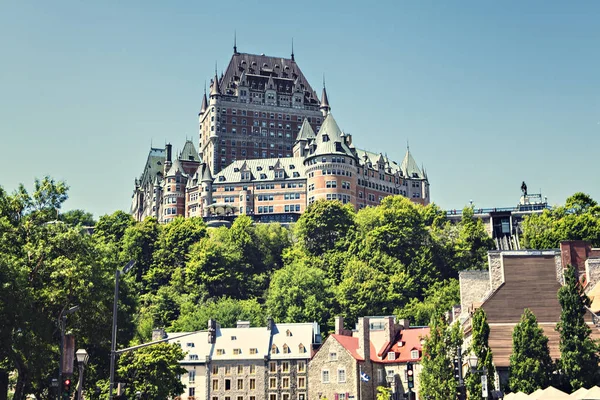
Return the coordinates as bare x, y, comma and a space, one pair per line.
487, 93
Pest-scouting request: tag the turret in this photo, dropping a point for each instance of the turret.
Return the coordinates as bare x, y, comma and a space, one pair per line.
325, 108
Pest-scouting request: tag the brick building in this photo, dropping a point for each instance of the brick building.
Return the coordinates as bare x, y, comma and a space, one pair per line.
379, 347
268, 148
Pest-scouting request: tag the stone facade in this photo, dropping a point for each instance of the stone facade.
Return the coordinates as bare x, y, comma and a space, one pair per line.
496, 272
592, 271
243, 379
330, 360
474, 285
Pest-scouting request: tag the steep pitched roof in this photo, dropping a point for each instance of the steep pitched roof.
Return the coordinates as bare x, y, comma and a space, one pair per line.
306, 131
262, 169
260, 69
410, 167
235, 343
189, 152
204, 103
176, 167
154, 166
329, 139
293, 335
214, 87
325, 100
206, 175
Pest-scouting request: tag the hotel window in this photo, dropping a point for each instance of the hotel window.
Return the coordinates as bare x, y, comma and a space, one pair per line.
215, 370
272, 367
220, 352
341, 375
301, 382
301, 366
252, 397
272, 383
341, 396
332, 356
285, 383
194, 357
325, 376
391, 355
253, 351
228, 370
414, 354
286, 349
192, 391
215, 398
272, 396
285, 367
215, 384
227, 384
252, 369
192, 376
240, 398
240, 369
285, 396
236, 351
252, 384
240, 384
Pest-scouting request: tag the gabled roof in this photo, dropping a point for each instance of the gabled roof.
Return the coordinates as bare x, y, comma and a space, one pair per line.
410, 339
329, 139
306, 131
293, 335
189, 152
196, 346
410, 167
153, 169
230, 341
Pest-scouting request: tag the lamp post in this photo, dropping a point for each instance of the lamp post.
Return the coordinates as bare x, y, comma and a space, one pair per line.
390, 380
62, 323
473, 361
459, 374
82, 360
118, 273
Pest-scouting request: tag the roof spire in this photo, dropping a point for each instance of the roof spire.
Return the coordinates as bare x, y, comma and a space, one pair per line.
235, 42
325, 108
293, 50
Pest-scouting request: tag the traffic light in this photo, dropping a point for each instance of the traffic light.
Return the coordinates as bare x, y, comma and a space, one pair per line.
66, 389
410, 378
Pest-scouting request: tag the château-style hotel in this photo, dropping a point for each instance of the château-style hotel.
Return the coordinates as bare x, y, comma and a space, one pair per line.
268, 148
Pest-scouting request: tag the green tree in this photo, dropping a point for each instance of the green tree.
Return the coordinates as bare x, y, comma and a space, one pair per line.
325, 225
300, 293
530, 363
226, 311
437, 381
77, 217
384, 393
111, 228
439, 298
139, 244
154, 371
579, 360
480, 347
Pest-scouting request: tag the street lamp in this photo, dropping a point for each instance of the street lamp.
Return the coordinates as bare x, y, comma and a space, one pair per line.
473, 361
82, 360
390, 380
113, 353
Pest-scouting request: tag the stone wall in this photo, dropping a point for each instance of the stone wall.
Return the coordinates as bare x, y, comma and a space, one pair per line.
324, 361
592, 272
474, 285
227, 371
496, 270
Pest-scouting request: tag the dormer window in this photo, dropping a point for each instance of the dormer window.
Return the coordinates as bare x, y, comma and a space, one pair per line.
414, 354
325, 138
274, 349
234, 338
220, 352
288, 333
286, 349
301, 348
391, 355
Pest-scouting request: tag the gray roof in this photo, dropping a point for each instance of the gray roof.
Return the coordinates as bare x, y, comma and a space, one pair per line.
176, 168
206, 175
324, 99
262, 170
189, 152
214, 86
259, 70
329, 140
204, 103
154, 166
306, 131
410, 167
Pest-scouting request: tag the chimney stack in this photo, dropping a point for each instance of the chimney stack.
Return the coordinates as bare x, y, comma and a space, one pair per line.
269, 323
212, 331
158, 334
364, 334
339, 325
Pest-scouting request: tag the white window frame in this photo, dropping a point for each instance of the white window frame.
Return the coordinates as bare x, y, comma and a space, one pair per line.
324, 373
341, 371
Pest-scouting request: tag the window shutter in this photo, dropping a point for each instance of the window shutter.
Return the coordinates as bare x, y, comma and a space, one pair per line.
336, 396
347, 395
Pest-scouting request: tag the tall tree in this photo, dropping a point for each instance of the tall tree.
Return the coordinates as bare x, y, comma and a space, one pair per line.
530, 364
153, 371
480, 347
579, 359
437, 380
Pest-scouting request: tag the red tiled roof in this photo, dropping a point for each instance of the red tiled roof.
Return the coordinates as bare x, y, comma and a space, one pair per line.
410, 338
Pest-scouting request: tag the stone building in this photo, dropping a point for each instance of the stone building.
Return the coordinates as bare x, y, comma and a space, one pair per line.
247, 363
522, 279
352, 364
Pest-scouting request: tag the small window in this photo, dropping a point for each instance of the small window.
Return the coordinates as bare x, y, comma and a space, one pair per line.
414, 354
341, 375
391, 355
237, 351
325, 376
333, 356
220, 352
272, 366
301, 366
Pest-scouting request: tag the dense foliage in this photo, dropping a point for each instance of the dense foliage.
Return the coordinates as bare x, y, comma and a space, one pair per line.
530, 364
578, 219
398, 258
579, 361
437, 380
480, 347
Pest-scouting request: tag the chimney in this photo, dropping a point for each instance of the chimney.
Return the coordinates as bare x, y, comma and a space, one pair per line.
158, 334
243, 324
404, 323
269, 323
364, 344
212, 331
339, 325
390, 328
168, 147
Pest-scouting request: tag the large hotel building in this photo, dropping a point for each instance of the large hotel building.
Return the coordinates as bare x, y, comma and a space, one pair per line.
268, 148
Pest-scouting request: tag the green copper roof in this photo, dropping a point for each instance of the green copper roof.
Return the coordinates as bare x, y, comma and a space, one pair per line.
189, 152
329, 139
410, 167
306, 132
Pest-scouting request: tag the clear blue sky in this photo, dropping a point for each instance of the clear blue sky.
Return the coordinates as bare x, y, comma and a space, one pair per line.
489, 93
